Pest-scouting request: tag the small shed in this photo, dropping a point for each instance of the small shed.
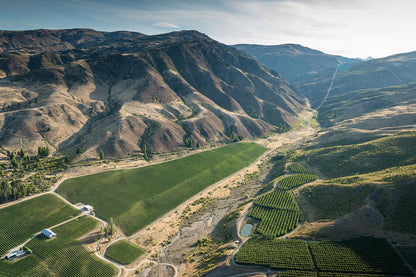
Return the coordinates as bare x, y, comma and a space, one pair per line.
15, 254
87, 208
48, 233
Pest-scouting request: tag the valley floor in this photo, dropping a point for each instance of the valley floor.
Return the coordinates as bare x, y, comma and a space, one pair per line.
173, 236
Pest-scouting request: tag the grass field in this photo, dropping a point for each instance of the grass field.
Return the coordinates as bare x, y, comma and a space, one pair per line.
66, 256
136, 197
374, 155
21, 221
124, 252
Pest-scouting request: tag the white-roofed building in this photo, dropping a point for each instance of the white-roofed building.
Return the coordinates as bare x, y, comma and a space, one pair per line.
15, 254
48, 233
87, 208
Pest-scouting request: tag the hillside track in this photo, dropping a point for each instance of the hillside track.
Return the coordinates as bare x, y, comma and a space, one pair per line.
329, 88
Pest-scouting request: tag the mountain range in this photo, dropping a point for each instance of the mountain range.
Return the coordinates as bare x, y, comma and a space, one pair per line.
313, 73
120, 91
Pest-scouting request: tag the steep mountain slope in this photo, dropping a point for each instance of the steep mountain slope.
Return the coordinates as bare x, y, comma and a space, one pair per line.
312, 72
118, 92
295, 61
309, 71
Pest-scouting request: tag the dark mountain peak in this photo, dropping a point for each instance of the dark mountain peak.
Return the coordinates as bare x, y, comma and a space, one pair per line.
44, 40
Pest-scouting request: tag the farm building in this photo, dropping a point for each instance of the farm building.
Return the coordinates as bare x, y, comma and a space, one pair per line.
48, 233
15, 254
87, 208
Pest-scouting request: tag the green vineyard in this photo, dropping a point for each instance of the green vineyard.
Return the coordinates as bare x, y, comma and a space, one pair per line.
275, 222
279, 198
298, 168
124, 252
359, 255
39, 213
276, 253
296, 180
66, 256
297, 273
31, 266
278, 210
338, 274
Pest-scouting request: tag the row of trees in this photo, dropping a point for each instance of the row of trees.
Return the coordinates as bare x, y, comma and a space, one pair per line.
11, 190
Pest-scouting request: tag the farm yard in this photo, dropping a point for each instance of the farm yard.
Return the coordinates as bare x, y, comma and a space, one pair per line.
136, 197
62, 255
39, 213
65, 254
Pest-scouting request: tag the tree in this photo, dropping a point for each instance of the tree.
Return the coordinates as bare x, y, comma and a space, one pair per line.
189, 142
22, 153
102, 155
110, 228
147, 152
13, 162
78, 151
43, 151
5, 190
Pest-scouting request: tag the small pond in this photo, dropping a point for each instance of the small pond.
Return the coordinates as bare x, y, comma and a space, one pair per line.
246, 230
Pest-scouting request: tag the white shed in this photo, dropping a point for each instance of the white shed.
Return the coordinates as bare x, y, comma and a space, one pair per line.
87, 208
48, 233
15, 254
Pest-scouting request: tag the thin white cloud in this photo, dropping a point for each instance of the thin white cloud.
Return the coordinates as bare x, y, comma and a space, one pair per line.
166, 25
345, 27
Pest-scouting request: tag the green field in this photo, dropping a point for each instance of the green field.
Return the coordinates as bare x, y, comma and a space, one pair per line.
124, 252
279, 198
275, 222
297, 273
22, 220
136, 197
278, 210
298, 168
30, 266
358, 255
276, 253
295, 180
361, 257
66, 256
338, 274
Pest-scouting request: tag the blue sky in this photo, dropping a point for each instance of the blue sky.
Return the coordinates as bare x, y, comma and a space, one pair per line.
353, 28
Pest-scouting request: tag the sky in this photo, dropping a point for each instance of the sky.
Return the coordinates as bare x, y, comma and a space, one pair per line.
351, 28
